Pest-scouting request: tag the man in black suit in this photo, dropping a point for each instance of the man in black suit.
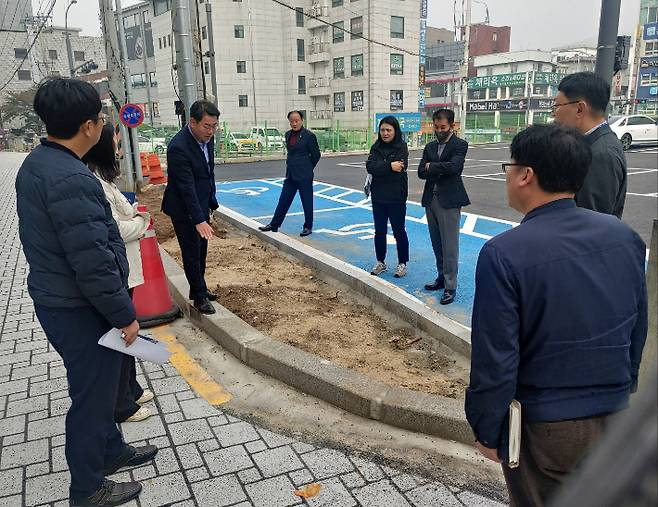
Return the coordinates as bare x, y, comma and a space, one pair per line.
581, 102
190, 195
443, 197
303, 156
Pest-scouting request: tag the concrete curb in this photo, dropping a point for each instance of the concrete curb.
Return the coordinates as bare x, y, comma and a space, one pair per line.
342, 387
384, 294
274, 158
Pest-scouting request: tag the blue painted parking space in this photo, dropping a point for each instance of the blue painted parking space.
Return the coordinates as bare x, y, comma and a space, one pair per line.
343, 227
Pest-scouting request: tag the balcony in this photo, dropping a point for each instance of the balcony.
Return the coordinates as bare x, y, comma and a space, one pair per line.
319, 86
319, 52
318, 10
321, 119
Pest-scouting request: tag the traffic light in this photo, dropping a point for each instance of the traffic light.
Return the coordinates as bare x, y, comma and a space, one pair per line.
622, 52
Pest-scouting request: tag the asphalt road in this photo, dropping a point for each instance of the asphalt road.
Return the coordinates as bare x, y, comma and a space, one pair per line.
483, 177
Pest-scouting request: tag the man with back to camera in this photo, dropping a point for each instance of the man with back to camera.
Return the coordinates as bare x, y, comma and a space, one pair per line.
78, 282
303, 156
546, 329
444, 195
581, 103
190, 196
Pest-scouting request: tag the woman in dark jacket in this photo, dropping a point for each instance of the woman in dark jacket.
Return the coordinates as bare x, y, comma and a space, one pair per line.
387, 163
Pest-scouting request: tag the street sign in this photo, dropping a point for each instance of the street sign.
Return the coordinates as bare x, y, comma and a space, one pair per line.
131, 115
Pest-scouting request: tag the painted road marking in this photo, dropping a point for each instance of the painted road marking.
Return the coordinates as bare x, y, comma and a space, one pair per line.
344, 228
189, 369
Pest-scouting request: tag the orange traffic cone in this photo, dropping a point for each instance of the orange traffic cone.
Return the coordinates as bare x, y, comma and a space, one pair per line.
145, 164
157, 176
153, 303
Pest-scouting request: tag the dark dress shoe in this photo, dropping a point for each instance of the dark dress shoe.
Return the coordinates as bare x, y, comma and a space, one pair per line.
435, 285
132, 457
448, 296
204, 306
212, 297
110, 493
305, 232
268, 228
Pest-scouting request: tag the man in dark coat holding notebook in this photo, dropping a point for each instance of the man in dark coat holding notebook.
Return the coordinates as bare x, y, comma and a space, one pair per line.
559, 318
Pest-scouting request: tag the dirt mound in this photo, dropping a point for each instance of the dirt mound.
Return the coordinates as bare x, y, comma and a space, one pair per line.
151, 196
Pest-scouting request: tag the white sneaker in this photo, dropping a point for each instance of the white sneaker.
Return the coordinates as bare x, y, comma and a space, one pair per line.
140, 415
400, 271
379, 268
147, 396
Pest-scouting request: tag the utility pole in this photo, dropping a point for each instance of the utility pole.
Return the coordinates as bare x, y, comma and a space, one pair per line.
142, 34
69, 50
133, 146
184, 53
605, 50
117, 86
211, 53
464, 85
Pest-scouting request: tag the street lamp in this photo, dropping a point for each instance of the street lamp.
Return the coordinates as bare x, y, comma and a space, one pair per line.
69, 51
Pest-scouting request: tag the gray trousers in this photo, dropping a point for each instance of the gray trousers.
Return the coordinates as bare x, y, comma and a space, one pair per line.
443, 225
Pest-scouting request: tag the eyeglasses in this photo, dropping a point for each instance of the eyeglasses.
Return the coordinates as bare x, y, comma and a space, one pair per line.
554, 107
505, 165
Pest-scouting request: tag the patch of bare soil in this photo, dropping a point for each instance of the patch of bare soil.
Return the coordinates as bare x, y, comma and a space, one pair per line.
290, 303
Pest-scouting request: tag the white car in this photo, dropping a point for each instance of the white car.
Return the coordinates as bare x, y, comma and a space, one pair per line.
269, 138
634, 129
152, 145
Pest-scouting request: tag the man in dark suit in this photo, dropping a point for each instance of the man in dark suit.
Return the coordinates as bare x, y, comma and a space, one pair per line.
443, 197
581, 102
303, 156
190, 195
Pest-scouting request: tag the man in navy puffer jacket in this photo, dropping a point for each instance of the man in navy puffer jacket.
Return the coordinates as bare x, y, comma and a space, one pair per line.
78, 281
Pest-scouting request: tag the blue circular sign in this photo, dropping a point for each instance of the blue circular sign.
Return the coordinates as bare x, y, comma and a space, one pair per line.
131, 115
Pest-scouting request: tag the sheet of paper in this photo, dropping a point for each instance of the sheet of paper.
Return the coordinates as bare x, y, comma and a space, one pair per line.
144, 347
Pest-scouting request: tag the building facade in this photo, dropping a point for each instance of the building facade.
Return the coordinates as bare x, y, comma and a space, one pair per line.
312, 57
13, 14
646, 59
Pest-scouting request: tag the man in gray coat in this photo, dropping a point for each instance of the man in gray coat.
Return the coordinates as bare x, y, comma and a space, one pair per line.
581, 103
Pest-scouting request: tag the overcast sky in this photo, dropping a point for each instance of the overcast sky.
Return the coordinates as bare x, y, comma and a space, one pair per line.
536, 24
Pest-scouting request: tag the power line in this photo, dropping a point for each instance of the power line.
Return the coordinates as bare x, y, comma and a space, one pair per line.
36, 36
355, 35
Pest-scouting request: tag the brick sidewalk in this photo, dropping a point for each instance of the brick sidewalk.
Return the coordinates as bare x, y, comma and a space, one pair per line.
207, 458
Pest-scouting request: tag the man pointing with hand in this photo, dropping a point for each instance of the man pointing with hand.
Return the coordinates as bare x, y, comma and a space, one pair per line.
190, 195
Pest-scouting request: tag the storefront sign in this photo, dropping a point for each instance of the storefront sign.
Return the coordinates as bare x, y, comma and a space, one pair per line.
497, 105
357, 101
409, 122
541, 104
649, 63
497, 80
548, 78
423, 9
650, 31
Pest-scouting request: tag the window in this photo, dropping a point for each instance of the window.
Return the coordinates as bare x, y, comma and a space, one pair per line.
138, 80
651, 48
24, 75
494, 37
339, 102
79, 56
540, 67
129, 21
238, 31
397, 100
241, 66
20, 53
300, 50
648, 79
357, 100
153, 79
161, 6
299, 15
301, 85
159, 42
493, 93
397, 27
204, 33
489, 71
476, 94
652, 15
357, 65
339, 67
356, 27
640, 120
338, 34
397, 64
52, 54
336, 3
56, 73
169, 40
540, 90
514, 68
434, 63
156, 109
243, 101
237, 0
206, 67
439, 90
